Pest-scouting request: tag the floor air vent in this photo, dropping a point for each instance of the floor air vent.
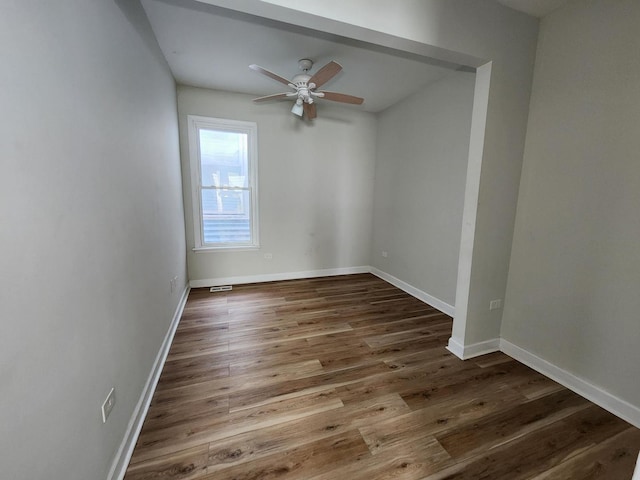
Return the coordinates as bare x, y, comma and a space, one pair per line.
221, 288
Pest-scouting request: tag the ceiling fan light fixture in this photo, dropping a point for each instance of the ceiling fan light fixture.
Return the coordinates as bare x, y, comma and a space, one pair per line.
298, 109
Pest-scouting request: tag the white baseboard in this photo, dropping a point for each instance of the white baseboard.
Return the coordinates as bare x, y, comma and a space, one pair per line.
274, 277
465, 352
121, 460
411, 290
636, 472
456, 348
609, 402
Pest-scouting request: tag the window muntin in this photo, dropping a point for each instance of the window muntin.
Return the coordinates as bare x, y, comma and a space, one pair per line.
223, 169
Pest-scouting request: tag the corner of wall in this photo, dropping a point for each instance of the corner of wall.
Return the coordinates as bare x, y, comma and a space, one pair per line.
465, 352
608, 401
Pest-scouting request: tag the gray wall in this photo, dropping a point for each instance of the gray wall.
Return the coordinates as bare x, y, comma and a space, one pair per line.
422, 151
92, 229
315, 186
574, 282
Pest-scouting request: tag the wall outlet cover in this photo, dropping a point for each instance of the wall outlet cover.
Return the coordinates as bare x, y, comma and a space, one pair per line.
108, 404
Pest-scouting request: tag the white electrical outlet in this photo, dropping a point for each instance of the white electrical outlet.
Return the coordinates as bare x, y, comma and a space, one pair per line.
268, 256
385, 254
495, 304
173, 283
108, 404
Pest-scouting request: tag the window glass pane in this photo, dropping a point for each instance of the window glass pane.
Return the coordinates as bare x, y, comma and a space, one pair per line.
225, 216
234, 202
223, 158
209, 202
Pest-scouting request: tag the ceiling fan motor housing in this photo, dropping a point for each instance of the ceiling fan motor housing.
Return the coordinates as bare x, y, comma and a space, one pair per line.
303, 89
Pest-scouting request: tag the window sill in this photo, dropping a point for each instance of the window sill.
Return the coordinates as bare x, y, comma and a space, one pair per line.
225, 249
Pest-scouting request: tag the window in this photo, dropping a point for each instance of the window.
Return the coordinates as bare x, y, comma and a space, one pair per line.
223, 159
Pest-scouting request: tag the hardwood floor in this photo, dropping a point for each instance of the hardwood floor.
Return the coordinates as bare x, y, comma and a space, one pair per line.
348, 377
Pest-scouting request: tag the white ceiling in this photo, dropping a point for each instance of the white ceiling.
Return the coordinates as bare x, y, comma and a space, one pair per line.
537, 8
211, 47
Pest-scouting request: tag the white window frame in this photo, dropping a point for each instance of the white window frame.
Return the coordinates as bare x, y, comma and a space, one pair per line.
195, 124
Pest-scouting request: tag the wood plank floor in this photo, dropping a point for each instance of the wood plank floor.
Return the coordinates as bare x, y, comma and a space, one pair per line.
348, 377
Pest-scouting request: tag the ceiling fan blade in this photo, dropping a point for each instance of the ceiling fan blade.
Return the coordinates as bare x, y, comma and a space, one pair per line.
269, 74
325, 74
310, 110
341, 97
275, 96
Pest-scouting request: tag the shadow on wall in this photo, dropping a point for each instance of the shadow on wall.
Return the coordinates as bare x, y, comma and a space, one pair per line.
136, 16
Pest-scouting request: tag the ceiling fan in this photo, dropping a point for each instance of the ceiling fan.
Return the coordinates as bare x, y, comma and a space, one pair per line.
306, 86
